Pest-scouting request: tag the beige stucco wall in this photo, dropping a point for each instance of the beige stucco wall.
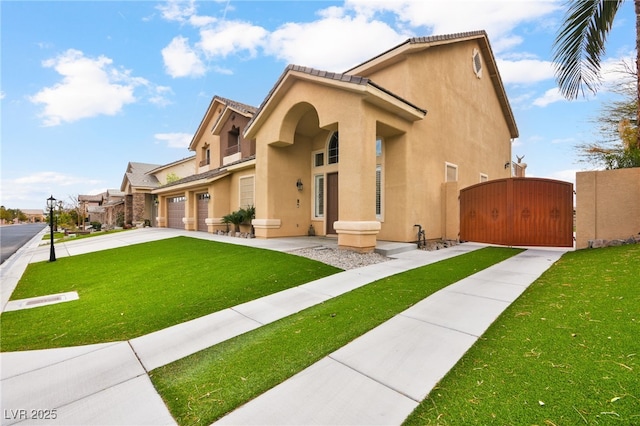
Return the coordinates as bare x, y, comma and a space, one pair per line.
607, 205
181, 169
300, 123
465, 126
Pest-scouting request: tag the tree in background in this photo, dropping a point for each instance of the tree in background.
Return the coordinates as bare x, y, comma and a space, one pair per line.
618, 147
10, 214
580, 45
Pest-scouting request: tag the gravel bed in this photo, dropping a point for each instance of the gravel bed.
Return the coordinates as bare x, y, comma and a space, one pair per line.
341, 258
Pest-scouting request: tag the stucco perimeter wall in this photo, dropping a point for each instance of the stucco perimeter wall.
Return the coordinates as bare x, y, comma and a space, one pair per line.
607, 205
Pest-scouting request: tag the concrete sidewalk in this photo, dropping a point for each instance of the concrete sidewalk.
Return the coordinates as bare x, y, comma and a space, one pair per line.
378, 378
382, 376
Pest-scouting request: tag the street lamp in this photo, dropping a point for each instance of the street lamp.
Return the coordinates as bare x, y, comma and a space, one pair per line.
51, 203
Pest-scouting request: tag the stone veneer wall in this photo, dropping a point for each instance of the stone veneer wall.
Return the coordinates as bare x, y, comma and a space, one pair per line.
139, 207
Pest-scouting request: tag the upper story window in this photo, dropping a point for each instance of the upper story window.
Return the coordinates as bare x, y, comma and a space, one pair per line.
378, 147
332, 151
451, 172
477, 63
206, 156
233, 141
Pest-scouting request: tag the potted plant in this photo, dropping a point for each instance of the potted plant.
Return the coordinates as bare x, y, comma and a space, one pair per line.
236, 218
248, 214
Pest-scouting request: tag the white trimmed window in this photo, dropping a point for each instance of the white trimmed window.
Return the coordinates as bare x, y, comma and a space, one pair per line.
247, 191
318, 187
451, 173
318, 159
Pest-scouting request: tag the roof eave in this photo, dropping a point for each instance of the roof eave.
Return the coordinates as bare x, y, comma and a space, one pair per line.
372, 93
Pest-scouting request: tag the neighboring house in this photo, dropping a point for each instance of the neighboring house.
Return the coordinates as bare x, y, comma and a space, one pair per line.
223, 177
356, 154
113, 205
90, 208
140, 179
35, 215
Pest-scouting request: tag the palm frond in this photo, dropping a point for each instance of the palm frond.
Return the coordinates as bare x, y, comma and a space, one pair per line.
580, 45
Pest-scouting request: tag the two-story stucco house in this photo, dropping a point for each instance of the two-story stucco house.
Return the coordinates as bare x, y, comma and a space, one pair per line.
224, 176
364, 155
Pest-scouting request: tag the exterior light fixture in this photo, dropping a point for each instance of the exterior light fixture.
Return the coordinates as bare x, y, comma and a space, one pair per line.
299, 184
507, 164
51, 204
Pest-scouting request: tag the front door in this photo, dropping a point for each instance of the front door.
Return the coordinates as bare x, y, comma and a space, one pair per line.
332, 201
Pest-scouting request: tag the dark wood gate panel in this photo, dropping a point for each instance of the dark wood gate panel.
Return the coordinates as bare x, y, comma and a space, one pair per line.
518, 212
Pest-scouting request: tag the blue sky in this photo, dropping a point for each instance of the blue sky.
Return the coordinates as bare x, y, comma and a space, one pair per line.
87, 87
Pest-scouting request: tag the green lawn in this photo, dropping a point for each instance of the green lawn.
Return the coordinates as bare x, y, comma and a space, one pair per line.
131, 291
203, 387
565, 353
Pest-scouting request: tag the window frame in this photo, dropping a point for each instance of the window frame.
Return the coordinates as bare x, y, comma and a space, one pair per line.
448, 165
319, 196
242, 197
335, 156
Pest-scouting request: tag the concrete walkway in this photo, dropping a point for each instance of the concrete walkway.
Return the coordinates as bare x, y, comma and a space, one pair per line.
377, 379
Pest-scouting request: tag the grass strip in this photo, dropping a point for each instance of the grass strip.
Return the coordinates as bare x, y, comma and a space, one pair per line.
135, 290
203, 387
565, 353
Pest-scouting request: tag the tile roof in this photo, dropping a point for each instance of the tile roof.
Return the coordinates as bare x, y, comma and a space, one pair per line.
426, 40
347, 78
237, 105
142, 180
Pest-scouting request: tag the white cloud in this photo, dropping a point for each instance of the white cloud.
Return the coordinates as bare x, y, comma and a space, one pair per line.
31, 191
498, 17
158, 95
89, 87
179, 11
525, 71
549, 97
231, 37
180, 60
55, 178
174, 140
341, 37
333, 43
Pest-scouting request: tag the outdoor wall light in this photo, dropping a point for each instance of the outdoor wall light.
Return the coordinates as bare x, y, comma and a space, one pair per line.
299, 184
507, 164
51, 204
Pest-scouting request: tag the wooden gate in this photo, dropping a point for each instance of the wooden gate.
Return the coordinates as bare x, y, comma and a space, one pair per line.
518, 212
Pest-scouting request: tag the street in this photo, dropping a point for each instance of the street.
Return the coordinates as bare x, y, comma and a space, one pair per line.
12, 237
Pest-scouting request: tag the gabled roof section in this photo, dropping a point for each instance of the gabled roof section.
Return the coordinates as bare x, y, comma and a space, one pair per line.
239, 107
137, 176
134, 167
175, 163
350, 82
415, 44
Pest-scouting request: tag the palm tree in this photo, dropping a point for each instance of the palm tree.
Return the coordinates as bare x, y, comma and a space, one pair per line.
580, 44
